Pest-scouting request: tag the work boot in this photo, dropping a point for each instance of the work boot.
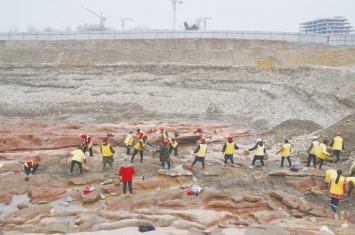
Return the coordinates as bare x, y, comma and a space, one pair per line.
251, 167
233, 165
70, 173
129, 195
162, 166
224, 165
124, 195
203, 168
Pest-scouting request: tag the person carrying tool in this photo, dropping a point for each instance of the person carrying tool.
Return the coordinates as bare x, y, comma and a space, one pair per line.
228, 150
30, 167
322, 153
107, 153
259, 153
87, 143
312, 149
352, 170
351, 184
328, 175
200, 152
78, 158
140, 134
173, 146
164, 134
140, 146
129, 142
337, 145
337, 187
127, 171
164, 155
285, 151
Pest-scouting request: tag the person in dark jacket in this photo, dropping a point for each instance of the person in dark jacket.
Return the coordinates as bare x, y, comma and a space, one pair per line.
228, 150
259, 153
164, 155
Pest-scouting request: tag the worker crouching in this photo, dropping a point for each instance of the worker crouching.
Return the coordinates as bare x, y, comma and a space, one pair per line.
164, 155
228, 150
30, 167
107, 153
200, 152
78, 158
87, 143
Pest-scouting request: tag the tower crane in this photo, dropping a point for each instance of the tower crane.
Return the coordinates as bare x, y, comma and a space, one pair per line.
205, 22
174, 12
122, 20
102, 19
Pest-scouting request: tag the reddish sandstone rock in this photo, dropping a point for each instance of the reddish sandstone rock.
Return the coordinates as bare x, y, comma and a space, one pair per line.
268, 216
304, 206
351, 217
123, 224
22, 206
252, 198
78, 181
295, 213
91, 197
271, 205
303, 184
291, 201
278, 194
237, 198
151, 183
317, 213
182, 179
20, 217
44, 193
233, 205
5, 197
183, 224
173, 203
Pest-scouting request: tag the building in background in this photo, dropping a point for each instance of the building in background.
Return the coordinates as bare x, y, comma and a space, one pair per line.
335, 25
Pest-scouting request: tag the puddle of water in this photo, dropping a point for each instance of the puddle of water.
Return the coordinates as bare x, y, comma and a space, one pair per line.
62, 205
12, 207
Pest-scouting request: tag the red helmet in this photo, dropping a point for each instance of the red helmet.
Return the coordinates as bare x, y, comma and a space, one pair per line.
230, 137
337, 133
190, 192
29, 163
162, 128
165, 142
203, 139
83, 135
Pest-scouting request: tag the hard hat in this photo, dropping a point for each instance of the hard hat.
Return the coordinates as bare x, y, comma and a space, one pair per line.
162, 128
165, 142
29, 163
83, 135
337, 133
203, 139
190, 192
230, 137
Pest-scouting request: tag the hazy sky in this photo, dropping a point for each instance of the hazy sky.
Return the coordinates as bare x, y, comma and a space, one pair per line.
248, 15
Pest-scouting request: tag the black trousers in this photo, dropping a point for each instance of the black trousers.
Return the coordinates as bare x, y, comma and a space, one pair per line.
311, 157
321, 161
135, 151
200, 159
129, 186
28, 169
90, 150
175, 150
336, 153
283, 159
228, 156
128, 152
261, 158
73, 162
334, 201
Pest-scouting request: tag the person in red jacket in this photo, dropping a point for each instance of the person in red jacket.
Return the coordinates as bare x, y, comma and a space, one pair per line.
127, 171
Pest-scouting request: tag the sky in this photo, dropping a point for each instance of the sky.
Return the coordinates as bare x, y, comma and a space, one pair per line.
239, 15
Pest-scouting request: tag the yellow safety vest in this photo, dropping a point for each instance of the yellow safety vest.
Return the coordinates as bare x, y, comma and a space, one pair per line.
320, 153
229, 148
106, 151
338, 188
286, 151
330, 174
337, 143
348, 179
78, 155
138, 147
165, 135
174, 144
314, 148
202, 151
259, 151
129, 139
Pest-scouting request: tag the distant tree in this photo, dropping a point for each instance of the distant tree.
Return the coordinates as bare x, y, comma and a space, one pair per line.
67, 29
31, 29
142, 28
12, 29
48, 29
93, 27
193, 27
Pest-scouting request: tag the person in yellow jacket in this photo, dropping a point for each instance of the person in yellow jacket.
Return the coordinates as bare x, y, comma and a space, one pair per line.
351, 184
129, 142
164, 134
337, 188
173, 146
87, 143
78, 158
228, 150
328, 175
140, 146
337, 145
322, 153
107, 153
259, 153
352, 170
200, 152
312, 149
285, 151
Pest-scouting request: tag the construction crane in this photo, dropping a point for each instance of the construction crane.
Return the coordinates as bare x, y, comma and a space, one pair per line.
205, 22
102, 19
174, 12
122, 20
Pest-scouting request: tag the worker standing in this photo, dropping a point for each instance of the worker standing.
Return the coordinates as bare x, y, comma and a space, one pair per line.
129, 142
164, 155
322, 153
126, 172
228, 150
337, 188
140, 146
30, 167
352, 170
328, 175
285, 151
78, 158
87, 143
312, 150
164, 134
200, 152
337, 145
173, 146
140, 134
259, 153
107, 153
